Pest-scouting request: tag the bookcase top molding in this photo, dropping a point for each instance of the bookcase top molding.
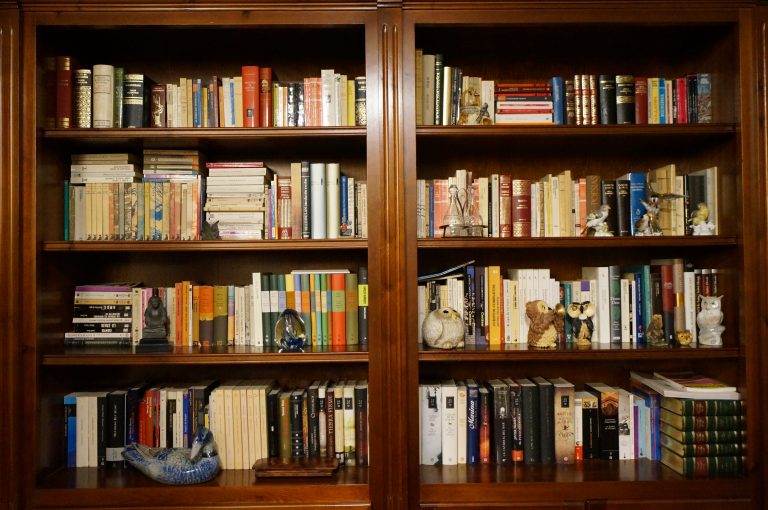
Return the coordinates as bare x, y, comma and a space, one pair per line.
576, 4
265, 5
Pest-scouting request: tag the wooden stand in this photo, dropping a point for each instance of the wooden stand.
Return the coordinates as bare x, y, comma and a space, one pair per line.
295, 468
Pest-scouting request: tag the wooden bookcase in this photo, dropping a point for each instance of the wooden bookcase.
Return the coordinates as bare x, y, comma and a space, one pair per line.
493, 39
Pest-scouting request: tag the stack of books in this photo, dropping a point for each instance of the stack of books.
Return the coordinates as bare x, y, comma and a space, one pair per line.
235, 198
524, 103
102, 316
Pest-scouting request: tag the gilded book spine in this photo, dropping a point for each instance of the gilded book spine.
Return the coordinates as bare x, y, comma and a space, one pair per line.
82, 98
361, 112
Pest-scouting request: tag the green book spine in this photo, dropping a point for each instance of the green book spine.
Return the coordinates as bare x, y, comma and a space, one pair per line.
318, 310
701, 467
265, 315
690, 407
66, 210
702, 449
281, 296
350, 288
702, 423
118, 98
702, 436
307, 307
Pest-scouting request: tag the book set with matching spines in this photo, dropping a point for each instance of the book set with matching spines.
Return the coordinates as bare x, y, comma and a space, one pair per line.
333, 305
557, 205
250, 420
546, 421
626, 299
106, 96
445, 96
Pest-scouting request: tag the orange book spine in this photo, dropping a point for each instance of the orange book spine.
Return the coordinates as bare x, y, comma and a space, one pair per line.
185, 313
338, 310
250, 96
265, 99
205, 307
179, 310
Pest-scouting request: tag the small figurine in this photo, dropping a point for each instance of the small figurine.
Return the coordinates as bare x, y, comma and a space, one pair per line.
684, 337
443, 328
580, 317
655, 332
290, 331
710, 320
543, 328
177, 466
648, 224
155, 333
700, 224
596, 222
209, 231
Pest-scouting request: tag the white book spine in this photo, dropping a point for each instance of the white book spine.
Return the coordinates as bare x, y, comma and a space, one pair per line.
449, 423
625, 310
626, 425
103, 95
493, 222
689, 290
578, 428
461, 412
507, 310
429, 90
93, 430
327, 80
487, 96
333, 198
81, 425
317, 203
257, 296
432, 426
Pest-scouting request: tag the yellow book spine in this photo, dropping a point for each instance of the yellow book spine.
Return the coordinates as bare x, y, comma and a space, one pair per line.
494, 305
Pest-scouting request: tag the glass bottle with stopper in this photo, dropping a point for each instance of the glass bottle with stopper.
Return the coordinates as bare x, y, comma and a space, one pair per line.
453, 220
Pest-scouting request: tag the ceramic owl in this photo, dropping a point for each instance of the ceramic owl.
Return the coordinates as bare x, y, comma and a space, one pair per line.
544, 321
710, 320
580, 317
443, 328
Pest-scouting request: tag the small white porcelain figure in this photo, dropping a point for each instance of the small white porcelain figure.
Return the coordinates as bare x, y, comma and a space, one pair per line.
710, 320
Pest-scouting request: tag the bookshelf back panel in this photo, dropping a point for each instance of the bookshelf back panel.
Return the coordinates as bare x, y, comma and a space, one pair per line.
513, 52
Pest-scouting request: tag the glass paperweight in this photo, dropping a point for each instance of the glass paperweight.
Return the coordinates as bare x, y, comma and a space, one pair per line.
290, 331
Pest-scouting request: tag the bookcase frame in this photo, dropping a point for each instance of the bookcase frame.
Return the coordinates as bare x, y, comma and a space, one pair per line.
394, 363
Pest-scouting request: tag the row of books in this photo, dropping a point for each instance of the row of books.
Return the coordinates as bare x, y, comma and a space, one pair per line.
106, 96
250, 420
547, 421
445, 96
104, 199
333, 305
627, 300
558, 205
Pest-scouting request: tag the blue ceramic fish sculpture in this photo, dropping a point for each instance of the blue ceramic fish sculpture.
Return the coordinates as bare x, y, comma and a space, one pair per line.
177, 466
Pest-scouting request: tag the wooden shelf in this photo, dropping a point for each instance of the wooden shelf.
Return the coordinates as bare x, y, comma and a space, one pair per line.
522, 352
616, 130
577, 242
140, 246
92, 487
207, 133
595, 479
213, 356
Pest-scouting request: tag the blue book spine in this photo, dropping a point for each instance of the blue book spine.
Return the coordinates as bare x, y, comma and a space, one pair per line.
653, 401
431, 209
662, 101
70, 428
157, 194
473, 425
558, 101
345, 227
140, 212
197, 105
639, 311
637, 192
185, 417
641, 428
66, 209
232, 102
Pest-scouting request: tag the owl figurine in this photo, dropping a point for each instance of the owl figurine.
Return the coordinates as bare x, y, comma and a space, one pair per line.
580, 317
710, 320
543, 324
443, 328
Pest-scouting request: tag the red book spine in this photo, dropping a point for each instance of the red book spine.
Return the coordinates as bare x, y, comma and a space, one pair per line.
250, 96
682, 100
284, 226
505, 205
63, 92
521, 208
641, 100
265, 99
338, 310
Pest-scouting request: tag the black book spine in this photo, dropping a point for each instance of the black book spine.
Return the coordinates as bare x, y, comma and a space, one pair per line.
361, 108
133, 101
625, 99
608, 419
570, 103
102, 327
101, 311
313, 408
516, 410
330, 422
607, 99
531, 428
500, 424
102, 429
361, 425
546, 420
590, 428
116, 429
300, 112
362, 309
455, 94
480, 305
306, 222
297, 426
133, 399
273, 402
170, 412
608, 190
291, 106
623, 209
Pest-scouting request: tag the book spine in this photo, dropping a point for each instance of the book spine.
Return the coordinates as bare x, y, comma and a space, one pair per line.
351, 308
608, 98
473, 425
362, 305
438, 94
361, 109
625, 99
531, 424
338, 309
558, 101
361, 424
133, 100
82, 100
265, 98
115, 440
318, 205
641, 100
521, 208
623, 209
333, 200
64, 92
158, 106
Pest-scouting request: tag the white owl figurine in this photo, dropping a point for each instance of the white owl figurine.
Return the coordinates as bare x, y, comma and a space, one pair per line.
443, 328
710, 320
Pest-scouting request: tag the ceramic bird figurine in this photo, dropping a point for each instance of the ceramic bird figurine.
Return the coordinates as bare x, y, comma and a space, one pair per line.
177, 466
443, 328
596, 219
700, 224
709, 320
